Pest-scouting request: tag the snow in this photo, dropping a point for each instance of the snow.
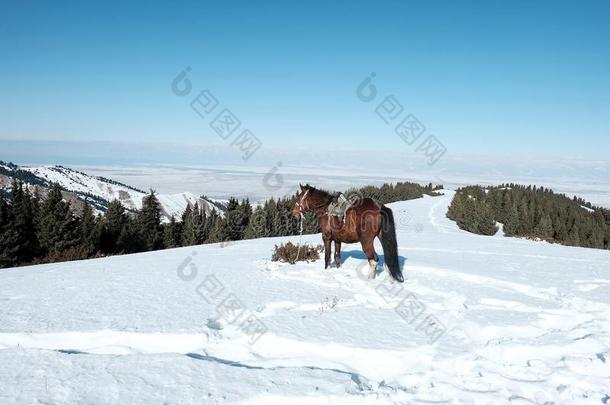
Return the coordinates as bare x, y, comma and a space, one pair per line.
517, 322
500, 233
79, 182
175, 204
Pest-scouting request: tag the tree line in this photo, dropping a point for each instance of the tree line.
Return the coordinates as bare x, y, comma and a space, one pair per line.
35, 229
533, 212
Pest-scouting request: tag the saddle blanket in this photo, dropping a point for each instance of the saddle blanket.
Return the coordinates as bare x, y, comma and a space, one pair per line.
339, 206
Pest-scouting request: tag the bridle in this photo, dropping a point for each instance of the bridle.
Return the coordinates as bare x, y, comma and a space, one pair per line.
301, 202
302, 208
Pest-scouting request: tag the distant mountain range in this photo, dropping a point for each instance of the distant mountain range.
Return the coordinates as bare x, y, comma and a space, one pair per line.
80, 188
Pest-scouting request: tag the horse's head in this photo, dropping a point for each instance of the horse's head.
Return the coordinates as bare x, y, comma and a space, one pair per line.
302, 204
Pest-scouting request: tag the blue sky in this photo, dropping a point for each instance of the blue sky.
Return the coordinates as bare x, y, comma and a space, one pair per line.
507, 78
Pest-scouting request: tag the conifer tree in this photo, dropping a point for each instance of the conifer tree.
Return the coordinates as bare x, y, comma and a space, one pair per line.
6, 256
235, 221
486, 225
149, 222
172, 234
18, 243
198, 225
130, 239
270, 209
256, 225
191, 226
3, 211
88, 228
187, 227
112, 228
544, 229
202, 228
58, 227
211, 222
573, 236
511, 226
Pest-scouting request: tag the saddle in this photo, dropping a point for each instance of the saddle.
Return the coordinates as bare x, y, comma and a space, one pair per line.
339, 206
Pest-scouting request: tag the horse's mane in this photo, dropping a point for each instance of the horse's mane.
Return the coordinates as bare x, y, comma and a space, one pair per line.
317, 191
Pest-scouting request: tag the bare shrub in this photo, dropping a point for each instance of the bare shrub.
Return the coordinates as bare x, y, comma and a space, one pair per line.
287, 252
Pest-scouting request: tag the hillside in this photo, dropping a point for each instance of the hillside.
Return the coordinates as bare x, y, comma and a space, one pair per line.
98, 191
532, 212
518, 322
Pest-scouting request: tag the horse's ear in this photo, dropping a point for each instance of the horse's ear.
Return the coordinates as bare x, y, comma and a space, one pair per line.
302, 187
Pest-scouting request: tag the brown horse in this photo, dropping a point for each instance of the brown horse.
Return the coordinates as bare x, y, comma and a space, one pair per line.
363, 221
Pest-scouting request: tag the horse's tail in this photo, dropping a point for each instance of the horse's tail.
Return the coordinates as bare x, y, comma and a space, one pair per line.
389, 243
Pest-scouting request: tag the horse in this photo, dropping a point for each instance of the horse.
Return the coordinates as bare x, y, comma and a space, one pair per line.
364, 220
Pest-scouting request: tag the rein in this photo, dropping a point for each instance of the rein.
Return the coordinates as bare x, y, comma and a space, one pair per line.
300, 237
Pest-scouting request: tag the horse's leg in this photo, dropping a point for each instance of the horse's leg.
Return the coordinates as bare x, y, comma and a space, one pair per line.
369, 250
326, 252
337, 254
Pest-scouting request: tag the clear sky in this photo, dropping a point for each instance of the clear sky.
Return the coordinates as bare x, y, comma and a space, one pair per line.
485, 77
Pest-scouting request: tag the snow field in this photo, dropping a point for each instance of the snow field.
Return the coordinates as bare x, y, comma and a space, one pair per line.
520, 322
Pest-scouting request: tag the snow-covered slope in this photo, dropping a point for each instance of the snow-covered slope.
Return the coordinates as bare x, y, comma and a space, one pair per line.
81, 183
487, 320
100, 191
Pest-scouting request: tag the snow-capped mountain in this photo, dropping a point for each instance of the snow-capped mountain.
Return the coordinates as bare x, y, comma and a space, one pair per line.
98, 191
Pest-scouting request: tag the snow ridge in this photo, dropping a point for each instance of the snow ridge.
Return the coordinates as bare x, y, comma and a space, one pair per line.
100, 191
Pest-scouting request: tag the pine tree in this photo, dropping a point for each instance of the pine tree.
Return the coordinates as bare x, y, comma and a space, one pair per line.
232, 205
270, 209
560, 231
456, 208
256, 225
187, 227
511, 227
88, 228
112, 227
246, 212
282, 218
202, 228
18, 243
524, 223
130, 239
172, 234
58, 227
191, 226
573, 236
217, 233
5, 223
3, 211
198, 225
210, 223
485, 224
544, 229
235, 221
149, 222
